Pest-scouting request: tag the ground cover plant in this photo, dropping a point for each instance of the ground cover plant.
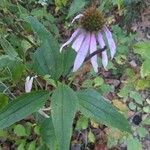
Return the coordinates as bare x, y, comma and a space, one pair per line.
74, 75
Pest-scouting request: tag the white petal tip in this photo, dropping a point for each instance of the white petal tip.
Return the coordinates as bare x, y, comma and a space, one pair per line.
60, 49
112, 55
96, 70
74, 70
35, 76
105, 66
77, 17
27, 78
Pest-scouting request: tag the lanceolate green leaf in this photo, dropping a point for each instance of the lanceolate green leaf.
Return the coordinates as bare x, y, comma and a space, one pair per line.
93, 105
48, 134
68, 59
41, 32
7, 47
4, 61
63, 110
21, 107
16, 68
76, 6
47, 58
3, 101
47, 61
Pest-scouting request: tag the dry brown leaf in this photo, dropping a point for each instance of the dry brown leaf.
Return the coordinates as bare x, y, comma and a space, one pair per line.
120, 105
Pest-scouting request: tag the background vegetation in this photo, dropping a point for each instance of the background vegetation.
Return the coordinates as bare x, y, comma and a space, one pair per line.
126, 84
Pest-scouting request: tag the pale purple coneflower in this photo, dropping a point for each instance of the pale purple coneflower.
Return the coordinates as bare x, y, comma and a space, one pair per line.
85, 38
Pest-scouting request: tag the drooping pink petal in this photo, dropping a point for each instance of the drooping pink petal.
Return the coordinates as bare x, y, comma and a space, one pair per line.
104, 53
28, 84
100, 40
93, 49
78, 42
77, 17
111, 42
104, 59
71, 39
82, 53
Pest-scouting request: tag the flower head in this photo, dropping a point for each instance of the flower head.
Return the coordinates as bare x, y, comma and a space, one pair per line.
92, 20
85, 38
